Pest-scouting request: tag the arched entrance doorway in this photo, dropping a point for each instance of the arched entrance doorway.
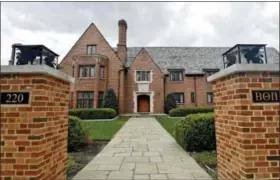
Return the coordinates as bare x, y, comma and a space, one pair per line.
143, 102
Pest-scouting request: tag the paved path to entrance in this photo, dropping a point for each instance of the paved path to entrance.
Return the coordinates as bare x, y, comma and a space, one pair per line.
142, 149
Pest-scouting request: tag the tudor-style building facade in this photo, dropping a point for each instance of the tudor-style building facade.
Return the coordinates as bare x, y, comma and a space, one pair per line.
141, 76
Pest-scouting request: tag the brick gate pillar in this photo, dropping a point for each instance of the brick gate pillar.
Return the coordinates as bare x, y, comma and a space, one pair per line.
246, 98
34, 122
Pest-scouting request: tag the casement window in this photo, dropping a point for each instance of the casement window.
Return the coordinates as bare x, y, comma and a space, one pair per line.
209, 97
143, 76
85, 99
87, 71
210, 72
179, 98
176, 76
91, 49
73, 71
101, 72
100, 99
192, 97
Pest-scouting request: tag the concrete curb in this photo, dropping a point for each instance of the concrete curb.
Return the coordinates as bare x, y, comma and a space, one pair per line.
99, 120
175, 117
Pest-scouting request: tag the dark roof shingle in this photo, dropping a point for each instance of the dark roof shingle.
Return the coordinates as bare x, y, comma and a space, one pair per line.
192, 59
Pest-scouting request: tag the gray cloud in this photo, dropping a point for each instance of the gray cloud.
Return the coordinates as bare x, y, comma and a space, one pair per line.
149, 23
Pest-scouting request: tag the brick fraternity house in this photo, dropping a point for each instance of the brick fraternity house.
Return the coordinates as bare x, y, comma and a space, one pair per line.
141, 76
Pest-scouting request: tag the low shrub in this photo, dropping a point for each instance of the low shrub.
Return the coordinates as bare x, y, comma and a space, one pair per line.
77, 135
169, 103
98, 113
196, 132
182, 112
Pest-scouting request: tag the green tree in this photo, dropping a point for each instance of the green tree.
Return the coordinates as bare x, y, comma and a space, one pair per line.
111, 100
169, 103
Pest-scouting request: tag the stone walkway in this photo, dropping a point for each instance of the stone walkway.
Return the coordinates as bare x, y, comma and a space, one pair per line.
142, 149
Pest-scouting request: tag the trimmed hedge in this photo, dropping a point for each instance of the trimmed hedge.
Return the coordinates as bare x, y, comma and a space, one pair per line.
182, 112
98, 113
77, 135
196, 132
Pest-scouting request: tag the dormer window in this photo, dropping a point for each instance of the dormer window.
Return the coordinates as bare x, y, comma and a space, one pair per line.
176, 75
209, 72
91, 49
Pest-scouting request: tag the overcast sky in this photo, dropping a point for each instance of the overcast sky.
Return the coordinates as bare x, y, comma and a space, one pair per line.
58, 25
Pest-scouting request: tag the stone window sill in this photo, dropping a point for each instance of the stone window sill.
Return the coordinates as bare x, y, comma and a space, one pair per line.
86, 77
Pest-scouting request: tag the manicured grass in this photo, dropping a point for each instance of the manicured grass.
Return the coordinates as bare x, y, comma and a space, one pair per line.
208, 158
168, 123
104, 130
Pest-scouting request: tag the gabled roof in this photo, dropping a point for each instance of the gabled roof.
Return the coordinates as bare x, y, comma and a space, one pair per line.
192, 59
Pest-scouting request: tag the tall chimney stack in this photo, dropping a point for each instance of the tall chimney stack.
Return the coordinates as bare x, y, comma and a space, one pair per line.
121, 50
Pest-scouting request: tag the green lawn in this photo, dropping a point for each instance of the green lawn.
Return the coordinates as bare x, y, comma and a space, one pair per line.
168, 123
104, 130
208, 158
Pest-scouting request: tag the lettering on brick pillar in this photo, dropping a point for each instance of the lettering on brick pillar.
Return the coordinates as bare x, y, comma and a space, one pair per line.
247, 121
34, 132
265, 96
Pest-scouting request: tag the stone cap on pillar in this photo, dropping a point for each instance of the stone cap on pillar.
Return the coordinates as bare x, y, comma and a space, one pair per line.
36, 69
237, 68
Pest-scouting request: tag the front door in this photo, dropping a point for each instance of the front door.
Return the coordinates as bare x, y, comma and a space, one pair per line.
143, 103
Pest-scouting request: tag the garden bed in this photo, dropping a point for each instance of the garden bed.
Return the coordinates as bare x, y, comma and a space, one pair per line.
82, 156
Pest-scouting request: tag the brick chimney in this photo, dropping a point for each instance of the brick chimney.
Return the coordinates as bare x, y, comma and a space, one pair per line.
121, 50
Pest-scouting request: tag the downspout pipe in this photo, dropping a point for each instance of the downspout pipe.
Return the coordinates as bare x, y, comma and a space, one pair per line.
119, 73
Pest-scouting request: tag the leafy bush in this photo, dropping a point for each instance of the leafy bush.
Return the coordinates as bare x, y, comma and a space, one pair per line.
182, 112
169, 103
77, 135
98, 113
111, 100
196, 132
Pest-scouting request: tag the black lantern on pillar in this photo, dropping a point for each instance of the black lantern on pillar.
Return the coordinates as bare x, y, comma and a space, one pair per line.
33, 54
245, 54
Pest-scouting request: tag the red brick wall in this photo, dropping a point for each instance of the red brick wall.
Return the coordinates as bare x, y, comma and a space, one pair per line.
247, 133
144, 62
34, 137
93, 36
187, 86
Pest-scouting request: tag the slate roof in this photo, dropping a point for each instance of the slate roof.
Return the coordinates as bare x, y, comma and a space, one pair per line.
192, 59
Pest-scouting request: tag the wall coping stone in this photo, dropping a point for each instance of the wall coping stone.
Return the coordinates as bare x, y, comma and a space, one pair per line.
237, 68
36, 69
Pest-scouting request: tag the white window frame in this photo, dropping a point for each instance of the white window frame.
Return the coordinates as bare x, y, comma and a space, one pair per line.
91, 47
135, 76
208, 95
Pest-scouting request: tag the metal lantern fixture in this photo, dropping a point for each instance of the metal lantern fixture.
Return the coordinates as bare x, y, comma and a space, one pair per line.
245, 54
33, 54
